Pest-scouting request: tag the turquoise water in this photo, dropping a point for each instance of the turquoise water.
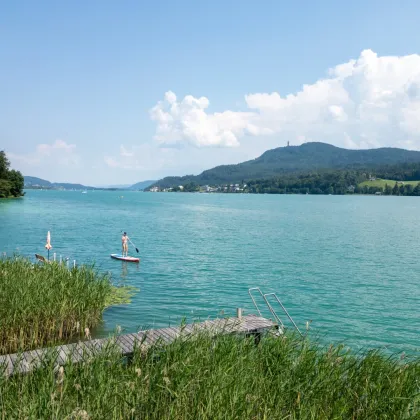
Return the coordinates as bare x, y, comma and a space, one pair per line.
348, 263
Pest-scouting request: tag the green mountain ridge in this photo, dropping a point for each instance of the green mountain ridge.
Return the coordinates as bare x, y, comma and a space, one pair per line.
142, 185
294, 159
35, 182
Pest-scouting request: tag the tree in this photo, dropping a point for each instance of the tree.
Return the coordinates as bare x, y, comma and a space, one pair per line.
388, 190
5, 188
17, 181
4, 165
395, 190
408, 189
11, 181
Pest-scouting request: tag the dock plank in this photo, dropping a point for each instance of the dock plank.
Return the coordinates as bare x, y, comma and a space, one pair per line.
122, 342
173, 332
133, 340
167, 335
6, 365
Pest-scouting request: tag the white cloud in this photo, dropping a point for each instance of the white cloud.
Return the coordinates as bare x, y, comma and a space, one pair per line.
124, 152
188, 122
57, 153
368, 102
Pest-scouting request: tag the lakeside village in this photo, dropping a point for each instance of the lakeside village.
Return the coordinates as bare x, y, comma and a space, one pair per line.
232, 188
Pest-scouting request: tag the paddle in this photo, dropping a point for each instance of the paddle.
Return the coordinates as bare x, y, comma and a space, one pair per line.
133, 245
137, 250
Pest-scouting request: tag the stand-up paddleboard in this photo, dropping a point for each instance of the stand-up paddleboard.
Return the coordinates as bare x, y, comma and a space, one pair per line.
128, 259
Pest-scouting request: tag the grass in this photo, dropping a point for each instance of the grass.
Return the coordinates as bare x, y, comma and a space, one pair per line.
380, 183
223, 378
42, 304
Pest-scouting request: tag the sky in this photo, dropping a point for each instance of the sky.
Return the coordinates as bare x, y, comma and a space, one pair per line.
105, 93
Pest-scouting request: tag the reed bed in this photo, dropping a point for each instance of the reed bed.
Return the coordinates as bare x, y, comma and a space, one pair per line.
42, 304
224, 378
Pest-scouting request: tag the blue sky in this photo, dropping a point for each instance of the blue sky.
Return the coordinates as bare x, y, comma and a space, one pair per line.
80, 80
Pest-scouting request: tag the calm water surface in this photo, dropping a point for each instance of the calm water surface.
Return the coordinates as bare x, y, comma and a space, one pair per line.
350, 264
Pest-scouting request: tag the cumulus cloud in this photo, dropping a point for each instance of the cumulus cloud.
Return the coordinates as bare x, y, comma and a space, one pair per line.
58, 152
187, 121
371, 101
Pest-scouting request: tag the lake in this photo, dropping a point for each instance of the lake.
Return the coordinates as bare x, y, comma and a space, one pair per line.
348, 263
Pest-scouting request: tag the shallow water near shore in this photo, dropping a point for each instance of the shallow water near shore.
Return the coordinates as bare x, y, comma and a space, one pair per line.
348, 263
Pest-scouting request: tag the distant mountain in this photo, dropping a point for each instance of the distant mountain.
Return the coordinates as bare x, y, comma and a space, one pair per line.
293, 159
30, 181
34, 182
142, 185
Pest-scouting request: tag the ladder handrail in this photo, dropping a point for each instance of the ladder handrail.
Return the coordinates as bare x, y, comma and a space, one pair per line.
253, 300
273, 312
264, 296
285, 310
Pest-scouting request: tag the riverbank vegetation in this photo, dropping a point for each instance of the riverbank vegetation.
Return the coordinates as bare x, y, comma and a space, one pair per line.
43, 304
11, 181
227, 377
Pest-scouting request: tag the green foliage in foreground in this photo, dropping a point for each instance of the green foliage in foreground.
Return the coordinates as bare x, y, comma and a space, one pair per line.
223, 378
43, 304
11, 181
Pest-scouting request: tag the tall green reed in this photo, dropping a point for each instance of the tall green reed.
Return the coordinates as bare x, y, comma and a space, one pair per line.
42, 304
224, 378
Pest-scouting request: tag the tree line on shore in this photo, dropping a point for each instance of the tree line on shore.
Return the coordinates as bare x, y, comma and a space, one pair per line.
337, 182
332, 181
344, 181
11, 181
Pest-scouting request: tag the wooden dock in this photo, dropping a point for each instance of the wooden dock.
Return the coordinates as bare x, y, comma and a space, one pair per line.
125, 344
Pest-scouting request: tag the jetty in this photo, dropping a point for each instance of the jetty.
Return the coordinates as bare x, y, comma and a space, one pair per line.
125, 344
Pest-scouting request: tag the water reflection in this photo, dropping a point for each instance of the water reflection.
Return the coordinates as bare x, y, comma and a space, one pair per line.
124, 269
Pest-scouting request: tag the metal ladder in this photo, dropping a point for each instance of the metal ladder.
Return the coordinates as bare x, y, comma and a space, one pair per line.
276, 317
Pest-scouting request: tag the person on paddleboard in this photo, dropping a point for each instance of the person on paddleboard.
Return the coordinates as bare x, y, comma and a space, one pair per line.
124, 240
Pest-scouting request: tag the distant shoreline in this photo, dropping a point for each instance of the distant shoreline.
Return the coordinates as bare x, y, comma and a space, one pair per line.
219, 192
12, 197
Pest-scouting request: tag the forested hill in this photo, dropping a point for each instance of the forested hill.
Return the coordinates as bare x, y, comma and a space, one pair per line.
294, 159
142, 185
34, 182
